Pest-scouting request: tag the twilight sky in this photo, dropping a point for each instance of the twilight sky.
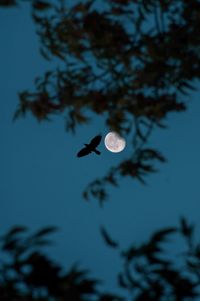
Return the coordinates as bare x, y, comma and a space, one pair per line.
41, 180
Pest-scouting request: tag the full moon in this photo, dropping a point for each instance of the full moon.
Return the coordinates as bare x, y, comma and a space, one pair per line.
114, 142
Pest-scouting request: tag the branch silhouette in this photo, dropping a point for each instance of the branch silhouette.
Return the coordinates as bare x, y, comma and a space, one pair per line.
133, 62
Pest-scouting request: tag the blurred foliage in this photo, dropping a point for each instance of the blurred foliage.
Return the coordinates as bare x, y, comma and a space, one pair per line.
153, 270
27, 273
154, 273
7, 3
133, 62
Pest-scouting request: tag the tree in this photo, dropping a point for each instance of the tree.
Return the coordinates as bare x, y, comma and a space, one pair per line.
133, 62
149, 271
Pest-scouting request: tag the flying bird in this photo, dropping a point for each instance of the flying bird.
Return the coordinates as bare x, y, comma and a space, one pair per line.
91, 147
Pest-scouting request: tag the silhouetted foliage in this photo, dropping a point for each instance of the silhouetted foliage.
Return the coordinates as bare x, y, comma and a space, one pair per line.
27, 273
150, 273
7, 3
153, 270
133, 62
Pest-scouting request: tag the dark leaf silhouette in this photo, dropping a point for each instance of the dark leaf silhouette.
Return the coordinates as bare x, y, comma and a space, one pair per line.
46, 231
109, 241
16, 230
91, 147
186, 229
41, 5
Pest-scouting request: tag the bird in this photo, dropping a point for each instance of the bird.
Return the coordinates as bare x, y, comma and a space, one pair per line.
91, 147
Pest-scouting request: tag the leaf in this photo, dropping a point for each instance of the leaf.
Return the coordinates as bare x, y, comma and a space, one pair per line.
121, 281
186, 229
44, 54
16, 230
111, 179
108, 240
85, 195
45, 231
149, 153
41, 5
160, 236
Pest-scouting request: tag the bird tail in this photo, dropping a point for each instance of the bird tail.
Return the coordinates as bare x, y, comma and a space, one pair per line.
97, 152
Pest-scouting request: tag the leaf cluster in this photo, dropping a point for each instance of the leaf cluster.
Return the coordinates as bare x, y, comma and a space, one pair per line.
152, 270
27, 273
155, 271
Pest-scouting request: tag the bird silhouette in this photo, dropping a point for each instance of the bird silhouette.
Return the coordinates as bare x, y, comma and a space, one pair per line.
91, 147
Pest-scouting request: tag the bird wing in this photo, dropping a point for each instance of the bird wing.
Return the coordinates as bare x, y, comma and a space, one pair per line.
95, 141
84, 152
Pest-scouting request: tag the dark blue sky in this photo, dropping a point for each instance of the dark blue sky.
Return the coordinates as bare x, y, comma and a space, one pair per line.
41, 180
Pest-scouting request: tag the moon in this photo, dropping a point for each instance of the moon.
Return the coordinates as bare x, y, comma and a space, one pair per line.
114, 142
